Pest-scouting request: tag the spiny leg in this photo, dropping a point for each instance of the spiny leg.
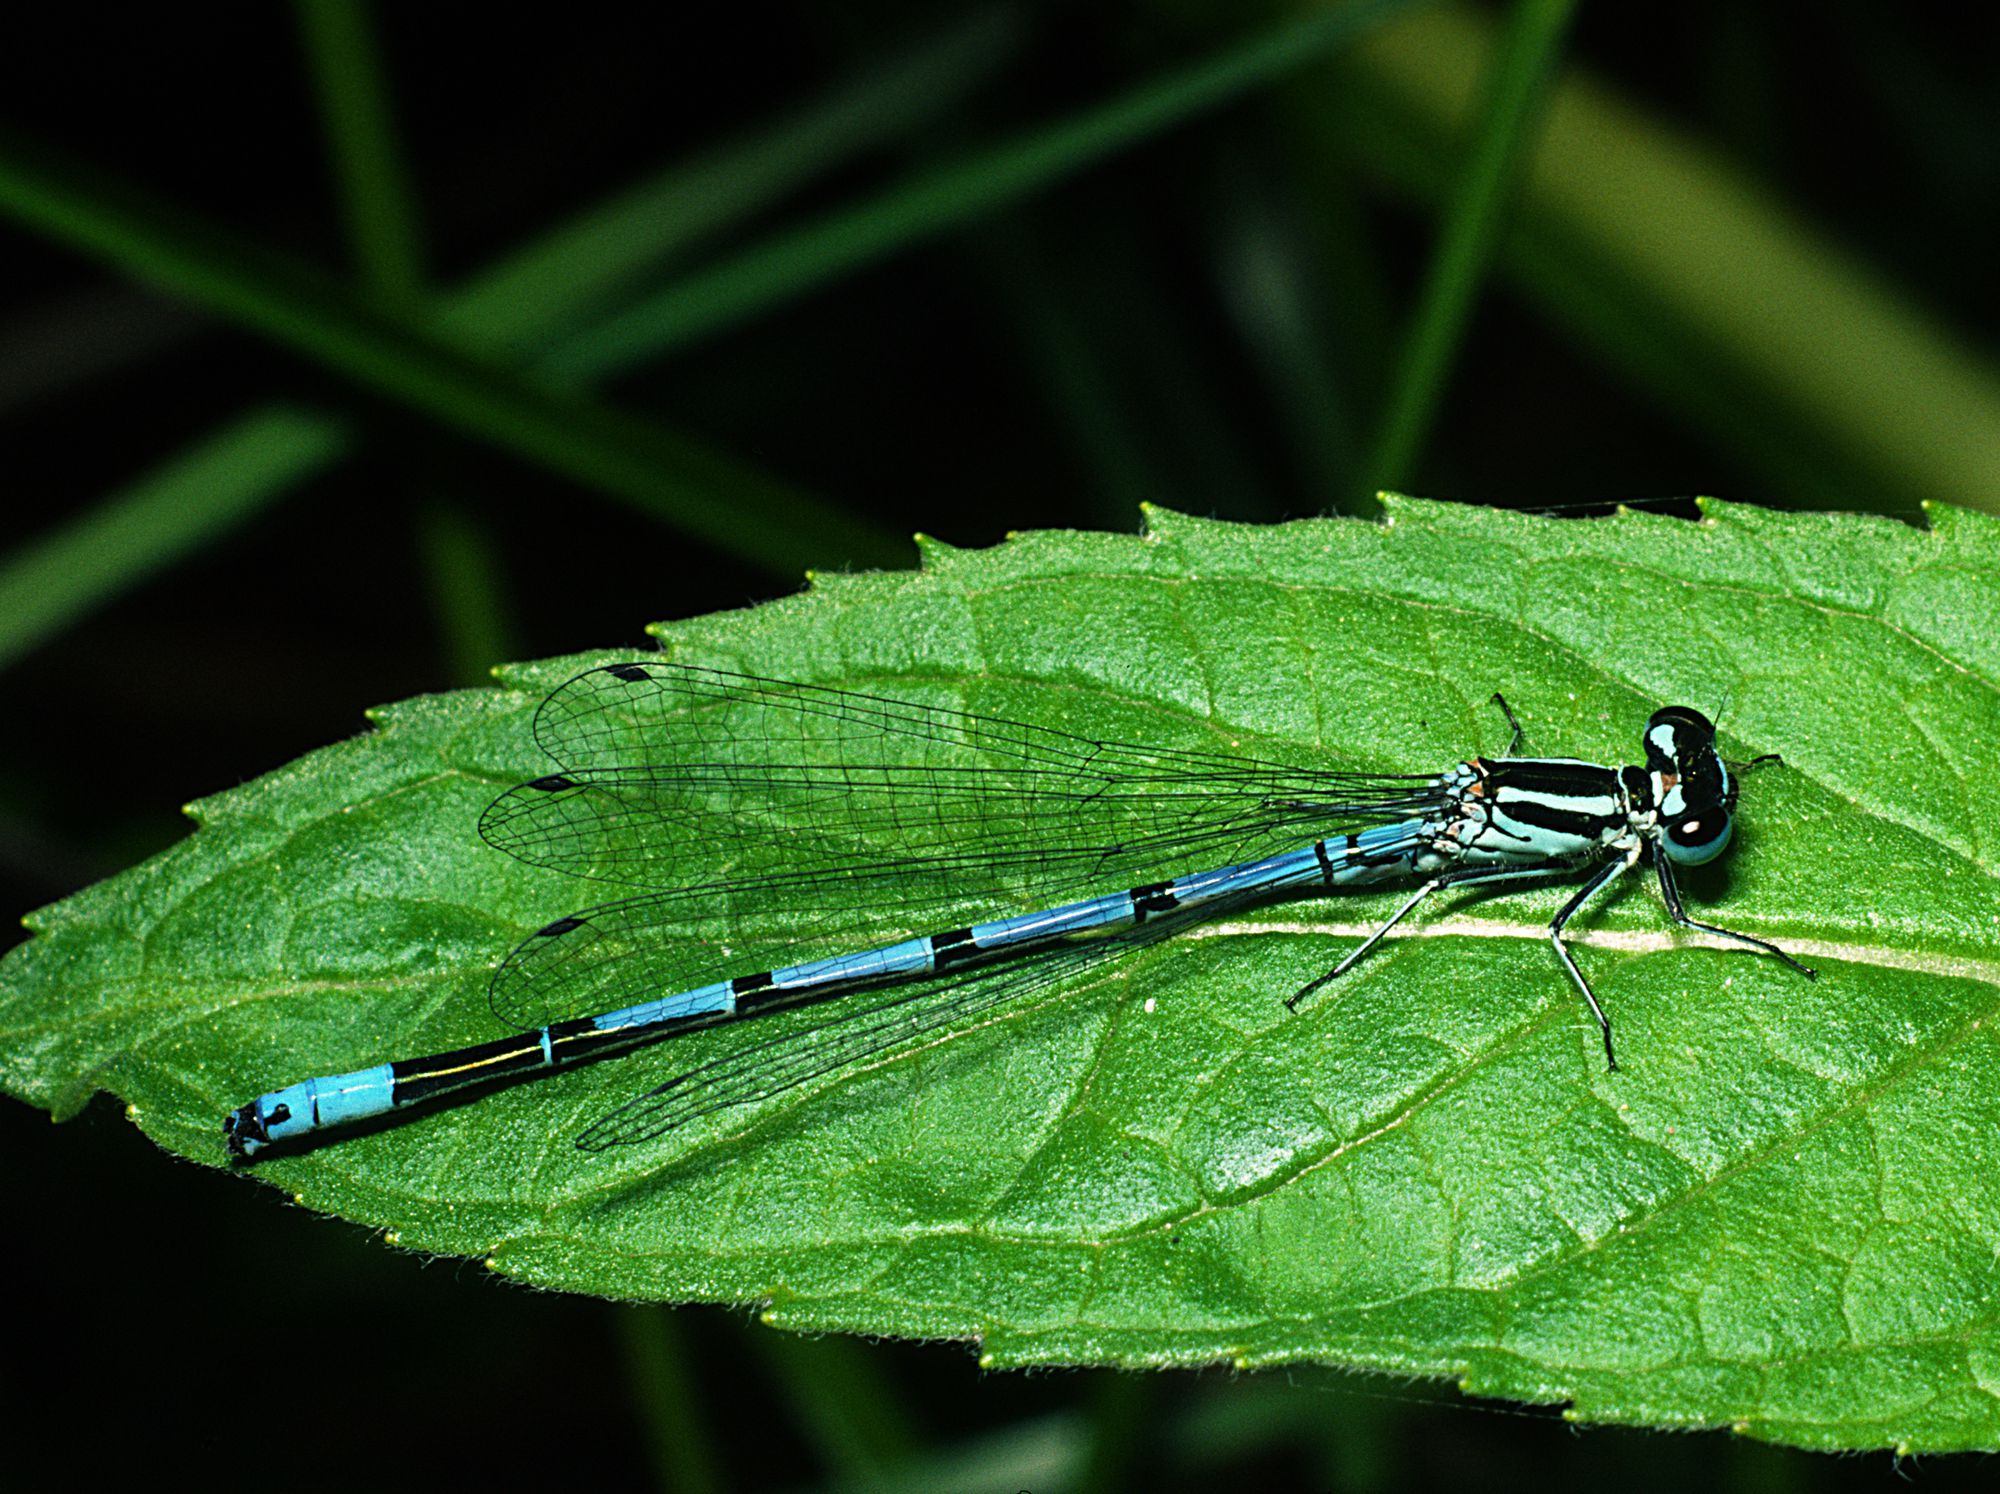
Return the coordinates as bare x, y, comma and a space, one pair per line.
1557, 924
1449, 879
1672, 894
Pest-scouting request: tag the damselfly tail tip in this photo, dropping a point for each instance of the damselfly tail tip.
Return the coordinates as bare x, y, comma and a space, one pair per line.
244, 1133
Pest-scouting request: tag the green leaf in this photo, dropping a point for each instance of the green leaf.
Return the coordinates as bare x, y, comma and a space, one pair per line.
1782, 1216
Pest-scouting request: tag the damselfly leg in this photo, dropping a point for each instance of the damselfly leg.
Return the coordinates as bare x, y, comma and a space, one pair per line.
1670, 892
1513, 746
1611, 873
1450, 879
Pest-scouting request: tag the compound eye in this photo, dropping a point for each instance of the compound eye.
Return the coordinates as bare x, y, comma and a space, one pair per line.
1697, 838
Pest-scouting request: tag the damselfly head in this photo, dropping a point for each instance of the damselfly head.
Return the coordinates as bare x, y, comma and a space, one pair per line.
1696, 794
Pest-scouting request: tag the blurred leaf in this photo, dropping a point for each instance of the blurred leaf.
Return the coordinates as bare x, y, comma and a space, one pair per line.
1781, 1217
936, 201
667, 1389
566, 278
181, 505
1693, 280
293, 303
516, 306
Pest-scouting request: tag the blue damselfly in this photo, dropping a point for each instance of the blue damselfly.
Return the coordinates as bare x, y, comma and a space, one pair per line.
850, 823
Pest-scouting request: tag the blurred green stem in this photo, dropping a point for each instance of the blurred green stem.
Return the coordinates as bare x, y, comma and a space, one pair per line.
840, 1401
1119, 1405
464, 573
363, 145
1523, 65
668, 1395
1664, 261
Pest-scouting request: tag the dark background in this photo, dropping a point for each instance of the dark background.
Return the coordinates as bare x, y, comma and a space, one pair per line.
1212, 318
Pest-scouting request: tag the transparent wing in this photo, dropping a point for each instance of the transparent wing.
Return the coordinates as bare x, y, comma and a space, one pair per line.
765, 779
839, 821
764, 1069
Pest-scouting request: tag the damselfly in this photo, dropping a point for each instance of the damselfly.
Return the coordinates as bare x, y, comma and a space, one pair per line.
849, 822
